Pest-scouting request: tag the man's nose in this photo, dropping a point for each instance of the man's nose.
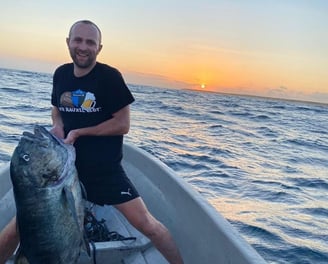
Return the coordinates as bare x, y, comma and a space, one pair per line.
83, 45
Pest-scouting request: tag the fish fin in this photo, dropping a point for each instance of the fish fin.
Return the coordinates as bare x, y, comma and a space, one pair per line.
84, 191
20, 257
71, 204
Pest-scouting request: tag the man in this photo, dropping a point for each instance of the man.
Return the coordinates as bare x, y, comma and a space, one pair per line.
91, 110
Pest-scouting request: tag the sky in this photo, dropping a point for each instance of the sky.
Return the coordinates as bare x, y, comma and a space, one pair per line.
271, 48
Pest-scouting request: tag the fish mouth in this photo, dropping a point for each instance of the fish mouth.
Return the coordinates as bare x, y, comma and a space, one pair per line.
41, 152
41, 136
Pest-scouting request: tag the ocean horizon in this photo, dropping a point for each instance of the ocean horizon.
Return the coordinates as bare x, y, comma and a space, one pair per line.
199, 90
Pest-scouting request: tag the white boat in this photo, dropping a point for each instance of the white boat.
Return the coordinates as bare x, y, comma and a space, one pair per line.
202, 234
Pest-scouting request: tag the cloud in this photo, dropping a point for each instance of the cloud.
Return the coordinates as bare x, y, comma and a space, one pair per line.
277, 92
319, 97
157, 80
284, 93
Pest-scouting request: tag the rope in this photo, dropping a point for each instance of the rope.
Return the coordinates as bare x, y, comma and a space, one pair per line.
97, 231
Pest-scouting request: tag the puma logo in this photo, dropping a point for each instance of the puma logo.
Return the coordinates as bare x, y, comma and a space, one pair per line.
127, 193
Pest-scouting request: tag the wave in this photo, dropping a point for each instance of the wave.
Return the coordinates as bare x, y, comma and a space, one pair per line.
313, 183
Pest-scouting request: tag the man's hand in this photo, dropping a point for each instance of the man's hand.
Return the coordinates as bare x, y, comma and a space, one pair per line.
72, 137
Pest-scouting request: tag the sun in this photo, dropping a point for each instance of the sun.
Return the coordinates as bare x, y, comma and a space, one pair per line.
203, 86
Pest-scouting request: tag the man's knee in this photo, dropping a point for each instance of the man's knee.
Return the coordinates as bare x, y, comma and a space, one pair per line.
151, 227
10, 231
9, 239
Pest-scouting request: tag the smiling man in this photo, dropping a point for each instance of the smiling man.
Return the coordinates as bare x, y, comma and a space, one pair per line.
91, 110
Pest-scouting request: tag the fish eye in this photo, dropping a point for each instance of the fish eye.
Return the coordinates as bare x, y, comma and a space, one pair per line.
26, 157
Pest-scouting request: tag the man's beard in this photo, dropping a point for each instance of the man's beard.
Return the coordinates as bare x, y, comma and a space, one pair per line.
81, 64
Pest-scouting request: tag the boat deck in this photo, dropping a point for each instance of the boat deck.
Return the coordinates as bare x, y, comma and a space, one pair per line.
131, 251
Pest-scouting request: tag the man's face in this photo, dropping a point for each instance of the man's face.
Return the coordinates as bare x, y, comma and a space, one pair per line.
84, 45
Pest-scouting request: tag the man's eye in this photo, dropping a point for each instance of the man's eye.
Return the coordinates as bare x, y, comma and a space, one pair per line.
91, 42
78, 40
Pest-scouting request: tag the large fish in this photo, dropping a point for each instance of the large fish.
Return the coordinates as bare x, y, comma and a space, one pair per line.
48, 198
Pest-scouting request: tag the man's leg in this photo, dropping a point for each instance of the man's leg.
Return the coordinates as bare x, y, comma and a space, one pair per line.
138, 215
9, 240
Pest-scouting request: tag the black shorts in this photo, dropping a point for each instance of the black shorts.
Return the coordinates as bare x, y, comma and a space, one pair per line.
107, 184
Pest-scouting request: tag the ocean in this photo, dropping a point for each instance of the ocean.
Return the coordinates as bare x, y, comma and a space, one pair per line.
262, 163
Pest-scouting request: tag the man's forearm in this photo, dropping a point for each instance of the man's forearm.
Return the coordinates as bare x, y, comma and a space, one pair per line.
56, 118
119, 124
57, 123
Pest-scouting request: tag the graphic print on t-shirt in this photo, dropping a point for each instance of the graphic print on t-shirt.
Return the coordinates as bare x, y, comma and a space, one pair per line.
78, 99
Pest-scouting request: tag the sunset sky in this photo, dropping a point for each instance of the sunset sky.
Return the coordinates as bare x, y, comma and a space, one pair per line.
276, 48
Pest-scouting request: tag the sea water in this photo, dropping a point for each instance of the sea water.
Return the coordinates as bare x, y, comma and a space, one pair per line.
262, 163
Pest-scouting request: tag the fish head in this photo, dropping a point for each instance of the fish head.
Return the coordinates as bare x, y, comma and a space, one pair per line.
40, 159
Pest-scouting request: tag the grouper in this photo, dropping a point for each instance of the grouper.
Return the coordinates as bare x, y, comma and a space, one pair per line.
48, 197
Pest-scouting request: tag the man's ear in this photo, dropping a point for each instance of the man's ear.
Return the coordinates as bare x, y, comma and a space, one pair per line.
67, 41
100, 47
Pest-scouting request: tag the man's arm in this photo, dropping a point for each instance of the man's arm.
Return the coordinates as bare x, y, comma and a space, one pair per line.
119, 124
57, 123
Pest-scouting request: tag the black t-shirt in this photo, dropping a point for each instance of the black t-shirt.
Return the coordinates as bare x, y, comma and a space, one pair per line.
87, 101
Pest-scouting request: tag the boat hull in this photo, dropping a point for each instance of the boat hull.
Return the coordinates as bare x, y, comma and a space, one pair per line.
203, 235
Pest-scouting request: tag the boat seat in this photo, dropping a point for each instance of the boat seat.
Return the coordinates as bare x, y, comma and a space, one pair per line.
7, 208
